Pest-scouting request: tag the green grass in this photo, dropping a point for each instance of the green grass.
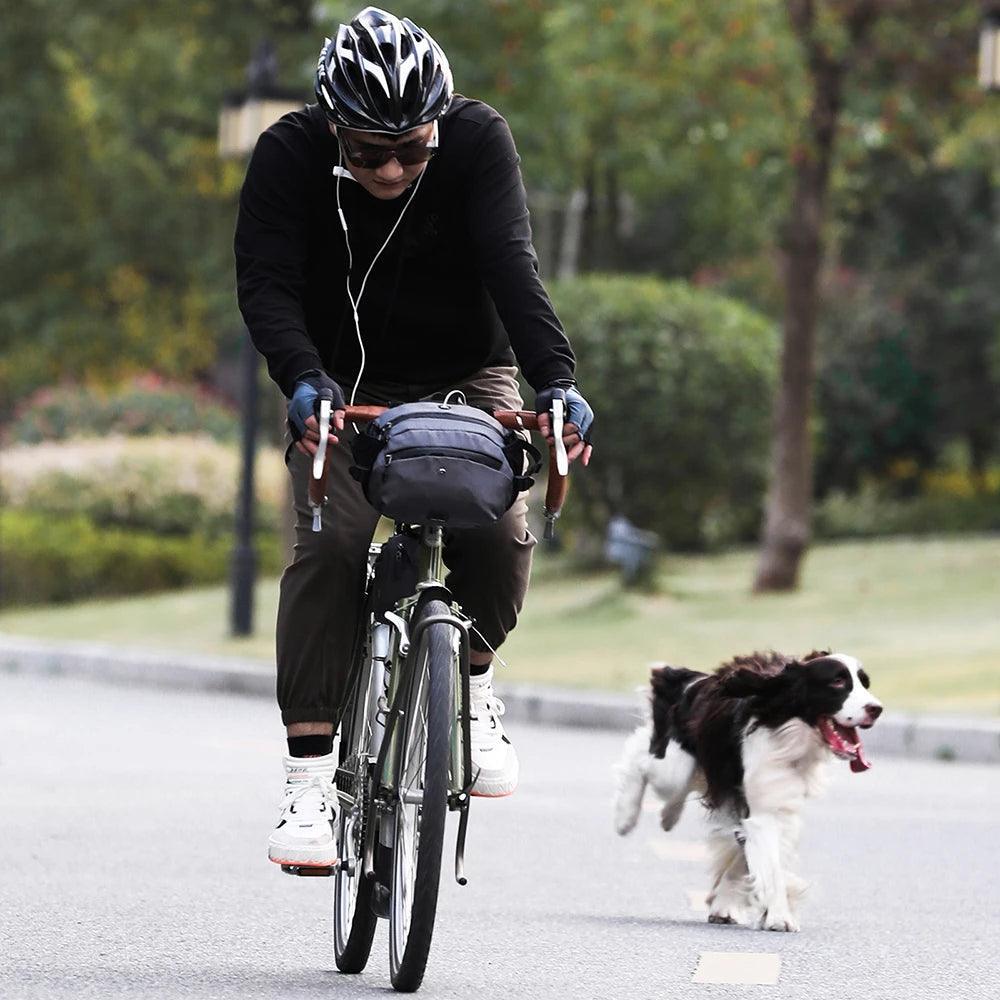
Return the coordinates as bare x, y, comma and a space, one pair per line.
924, 615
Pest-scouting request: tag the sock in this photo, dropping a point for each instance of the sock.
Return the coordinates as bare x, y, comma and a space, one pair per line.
480, 669
310, 746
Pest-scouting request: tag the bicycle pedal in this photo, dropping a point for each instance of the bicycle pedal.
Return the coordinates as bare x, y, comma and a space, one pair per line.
307, 871
379, 901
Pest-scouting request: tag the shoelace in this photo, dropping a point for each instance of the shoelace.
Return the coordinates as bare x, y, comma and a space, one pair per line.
294, 792
487, 704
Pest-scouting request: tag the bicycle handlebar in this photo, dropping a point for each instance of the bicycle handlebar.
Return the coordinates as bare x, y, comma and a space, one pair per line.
518, 420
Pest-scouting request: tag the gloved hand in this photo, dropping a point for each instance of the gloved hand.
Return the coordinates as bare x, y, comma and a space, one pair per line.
578, 413
305, 404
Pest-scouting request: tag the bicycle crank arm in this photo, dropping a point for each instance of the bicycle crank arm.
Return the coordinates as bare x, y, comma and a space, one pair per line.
462, 804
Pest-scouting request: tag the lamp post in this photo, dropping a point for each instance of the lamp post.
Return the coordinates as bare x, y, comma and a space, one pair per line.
243, 117
989, 47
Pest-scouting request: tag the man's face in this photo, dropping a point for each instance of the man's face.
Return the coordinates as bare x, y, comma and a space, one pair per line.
392, 178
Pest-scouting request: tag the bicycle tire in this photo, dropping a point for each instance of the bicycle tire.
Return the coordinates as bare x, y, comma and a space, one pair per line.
418, 838
354, 921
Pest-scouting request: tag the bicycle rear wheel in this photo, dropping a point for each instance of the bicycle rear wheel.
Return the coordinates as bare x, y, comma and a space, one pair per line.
421, 803
354, 920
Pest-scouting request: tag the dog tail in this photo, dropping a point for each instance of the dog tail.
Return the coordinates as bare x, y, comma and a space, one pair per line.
632, 773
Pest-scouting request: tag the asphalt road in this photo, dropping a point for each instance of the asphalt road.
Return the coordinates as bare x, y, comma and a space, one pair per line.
134, 822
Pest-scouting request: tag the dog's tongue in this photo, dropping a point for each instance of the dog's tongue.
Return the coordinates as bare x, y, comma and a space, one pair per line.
845, 740
859, 762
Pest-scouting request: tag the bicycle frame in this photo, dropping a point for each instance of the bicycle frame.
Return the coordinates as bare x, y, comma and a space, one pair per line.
410, 647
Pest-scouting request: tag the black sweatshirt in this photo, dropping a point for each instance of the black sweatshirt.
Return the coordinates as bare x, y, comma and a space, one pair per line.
455, 290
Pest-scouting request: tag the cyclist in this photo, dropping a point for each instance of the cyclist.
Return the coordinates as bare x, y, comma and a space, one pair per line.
384, 253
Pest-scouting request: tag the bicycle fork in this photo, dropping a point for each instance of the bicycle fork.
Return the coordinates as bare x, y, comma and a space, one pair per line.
411, 646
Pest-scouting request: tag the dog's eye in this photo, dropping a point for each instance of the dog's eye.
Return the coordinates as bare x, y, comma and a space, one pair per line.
838, 682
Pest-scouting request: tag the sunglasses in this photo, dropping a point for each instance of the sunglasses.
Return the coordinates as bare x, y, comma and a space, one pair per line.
368, 156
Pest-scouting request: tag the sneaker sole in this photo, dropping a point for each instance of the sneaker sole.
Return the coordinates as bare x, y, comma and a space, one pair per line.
304, 859
490, 791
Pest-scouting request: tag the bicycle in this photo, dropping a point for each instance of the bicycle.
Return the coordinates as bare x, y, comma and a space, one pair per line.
404, 750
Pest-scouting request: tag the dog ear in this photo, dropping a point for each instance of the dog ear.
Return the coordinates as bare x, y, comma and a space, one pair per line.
816, 654
747, 683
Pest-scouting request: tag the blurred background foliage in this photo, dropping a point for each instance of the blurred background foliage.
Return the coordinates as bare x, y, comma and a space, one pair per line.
658, 139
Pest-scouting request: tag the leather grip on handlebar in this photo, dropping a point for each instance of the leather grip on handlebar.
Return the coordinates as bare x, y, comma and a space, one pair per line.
557, 486
518, 420
317, 487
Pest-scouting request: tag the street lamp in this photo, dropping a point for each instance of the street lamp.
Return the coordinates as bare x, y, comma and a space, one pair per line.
989, 48
243, 117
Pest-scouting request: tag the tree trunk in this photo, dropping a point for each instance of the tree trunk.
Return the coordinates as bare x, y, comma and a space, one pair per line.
572, 235
787, 519
787, 522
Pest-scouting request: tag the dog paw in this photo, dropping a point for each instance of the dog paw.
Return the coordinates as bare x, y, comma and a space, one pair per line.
778, 921
670, 814
625, 824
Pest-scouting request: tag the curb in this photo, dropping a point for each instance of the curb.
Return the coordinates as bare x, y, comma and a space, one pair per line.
920, 737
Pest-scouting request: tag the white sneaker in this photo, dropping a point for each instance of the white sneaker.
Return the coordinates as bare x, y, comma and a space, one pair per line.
304, 835
493, 756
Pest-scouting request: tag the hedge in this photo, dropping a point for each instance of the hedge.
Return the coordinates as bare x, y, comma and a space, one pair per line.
45, 559
174, 485
681, 381
145, 406
869, 513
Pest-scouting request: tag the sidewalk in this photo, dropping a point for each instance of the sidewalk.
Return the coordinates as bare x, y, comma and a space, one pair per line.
963, 738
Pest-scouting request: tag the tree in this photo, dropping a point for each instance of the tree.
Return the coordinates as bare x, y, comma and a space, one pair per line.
116, 245
893, 64
830, 44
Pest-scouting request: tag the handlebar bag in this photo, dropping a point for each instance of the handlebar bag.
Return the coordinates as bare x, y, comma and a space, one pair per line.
449, 463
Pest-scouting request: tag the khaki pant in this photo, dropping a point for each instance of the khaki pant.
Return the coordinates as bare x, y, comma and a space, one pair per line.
320, 596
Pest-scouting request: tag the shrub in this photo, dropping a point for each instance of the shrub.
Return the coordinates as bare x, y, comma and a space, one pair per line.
45, 559
176, 485
143, 406
874, 401
681, 381
872, 511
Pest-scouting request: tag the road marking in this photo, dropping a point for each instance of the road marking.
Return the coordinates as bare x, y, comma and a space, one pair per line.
697, 900
678, 850
742, 967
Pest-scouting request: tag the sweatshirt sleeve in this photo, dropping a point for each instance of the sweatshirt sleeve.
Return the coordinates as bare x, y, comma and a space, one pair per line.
270, 247
501, 238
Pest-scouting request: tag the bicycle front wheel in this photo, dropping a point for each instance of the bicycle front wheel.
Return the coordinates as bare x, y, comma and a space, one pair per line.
421, 802
353, 917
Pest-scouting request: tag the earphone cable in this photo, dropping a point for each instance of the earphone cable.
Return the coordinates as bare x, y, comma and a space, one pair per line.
356, 302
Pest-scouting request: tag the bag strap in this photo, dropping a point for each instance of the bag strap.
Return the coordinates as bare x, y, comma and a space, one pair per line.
516, 450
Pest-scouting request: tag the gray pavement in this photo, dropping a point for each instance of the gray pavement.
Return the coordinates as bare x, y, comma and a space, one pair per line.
922, 737
134, 821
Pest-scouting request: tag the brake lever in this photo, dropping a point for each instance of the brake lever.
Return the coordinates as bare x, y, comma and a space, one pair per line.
558, 420
319, 459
